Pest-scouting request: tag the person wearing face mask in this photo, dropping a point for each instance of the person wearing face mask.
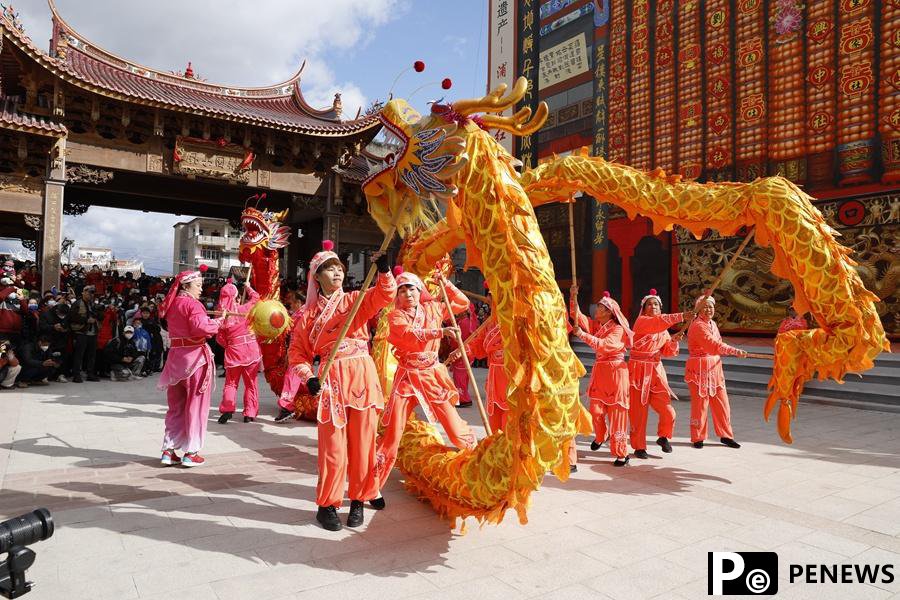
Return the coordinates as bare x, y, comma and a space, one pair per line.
242, 355
348, 396
125, 358
39, 365
54, 322
705, 378
649, 385
609, 336
12, 308
189, 374
421, 380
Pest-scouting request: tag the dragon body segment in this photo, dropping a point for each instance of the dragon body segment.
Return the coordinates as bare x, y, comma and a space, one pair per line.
449, 156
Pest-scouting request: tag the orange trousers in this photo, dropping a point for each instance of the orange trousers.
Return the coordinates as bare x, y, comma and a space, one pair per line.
721, 414
347, 453
498, 419
661, 403
388, 444
617, 430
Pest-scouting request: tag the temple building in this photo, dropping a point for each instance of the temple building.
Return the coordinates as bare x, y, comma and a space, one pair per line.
714, 91
717, 90
81, 127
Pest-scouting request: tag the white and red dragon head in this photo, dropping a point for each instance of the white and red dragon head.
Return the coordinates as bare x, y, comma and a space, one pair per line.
263, 229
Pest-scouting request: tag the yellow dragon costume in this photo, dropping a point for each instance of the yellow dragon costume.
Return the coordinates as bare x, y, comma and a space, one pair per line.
450, 156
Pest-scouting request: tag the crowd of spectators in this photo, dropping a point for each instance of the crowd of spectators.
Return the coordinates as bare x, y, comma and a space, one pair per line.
95, 324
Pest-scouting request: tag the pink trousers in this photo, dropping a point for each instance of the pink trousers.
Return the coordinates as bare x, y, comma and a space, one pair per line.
461, 380
188, 412
233, 375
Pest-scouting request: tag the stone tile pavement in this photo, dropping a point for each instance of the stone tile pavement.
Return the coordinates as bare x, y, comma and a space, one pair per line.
243, 526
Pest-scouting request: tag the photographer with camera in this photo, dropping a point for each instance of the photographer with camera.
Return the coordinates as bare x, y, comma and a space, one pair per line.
9, 366
39, 362
84, 323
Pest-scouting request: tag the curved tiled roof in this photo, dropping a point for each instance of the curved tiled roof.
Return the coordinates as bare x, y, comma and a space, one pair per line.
10, 119
281, 106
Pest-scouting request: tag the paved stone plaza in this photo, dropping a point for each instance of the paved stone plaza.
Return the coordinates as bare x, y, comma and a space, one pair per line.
243, 526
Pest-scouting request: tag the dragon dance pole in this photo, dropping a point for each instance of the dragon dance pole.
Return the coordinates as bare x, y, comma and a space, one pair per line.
465, 358
388, 238
572, 240
475, 296
718, 281
471, 337
246, 283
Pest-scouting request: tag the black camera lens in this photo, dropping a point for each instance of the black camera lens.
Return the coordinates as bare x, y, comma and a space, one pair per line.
26, 529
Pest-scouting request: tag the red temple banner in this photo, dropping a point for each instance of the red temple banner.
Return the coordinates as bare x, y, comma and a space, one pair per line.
690, 91
640, 85
889, 97
719, 111
664, 88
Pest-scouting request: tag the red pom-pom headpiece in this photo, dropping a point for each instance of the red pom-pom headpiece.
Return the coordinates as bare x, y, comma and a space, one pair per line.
652, 291
606, 294
651, 295
204, 268
327, 245
398, 270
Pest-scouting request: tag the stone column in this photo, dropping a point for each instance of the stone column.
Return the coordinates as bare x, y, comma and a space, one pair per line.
51, 235
331, 223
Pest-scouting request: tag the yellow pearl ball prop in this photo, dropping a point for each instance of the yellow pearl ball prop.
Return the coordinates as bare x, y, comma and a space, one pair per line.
268, 319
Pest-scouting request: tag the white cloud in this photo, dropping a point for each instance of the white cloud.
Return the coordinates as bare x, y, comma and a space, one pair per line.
456, 44
147, 237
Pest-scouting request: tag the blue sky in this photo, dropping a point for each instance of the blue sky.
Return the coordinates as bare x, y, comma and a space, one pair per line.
356, 47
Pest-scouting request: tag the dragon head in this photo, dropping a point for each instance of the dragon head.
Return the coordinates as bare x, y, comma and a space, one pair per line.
263, 230
431, 150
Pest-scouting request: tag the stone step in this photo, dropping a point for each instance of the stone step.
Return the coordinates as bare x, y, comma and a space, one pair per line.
876, 389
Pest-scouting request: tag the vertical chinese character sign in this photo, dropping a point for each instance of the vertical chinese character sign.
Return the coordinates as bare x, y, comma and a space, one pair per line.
502, 55
598, 147
528, 68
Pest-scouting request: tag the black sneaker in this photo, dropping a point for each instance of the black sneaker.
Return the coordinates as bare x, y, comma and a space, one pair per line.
573, 468
595, 445
730, 443
78, 380
283, 415
355, 518
377, 503
664, 444
225, 417
327, 516
464, 404
621, 462
698, 445
248, 419
641, 454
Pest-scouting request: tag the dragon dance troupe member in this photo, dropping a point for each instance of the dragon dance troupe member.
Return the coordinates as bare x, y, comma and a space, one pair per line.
420, 379
705, 377
649, 385
242, 355
609, 336
488, 343
350, 392
189, 374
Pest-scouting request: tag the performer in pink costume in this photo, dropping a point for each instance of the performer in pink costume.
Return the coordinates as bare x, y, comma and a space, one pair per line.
705, 377
242, 356
293, 383
467, 326
189, 374
649, 385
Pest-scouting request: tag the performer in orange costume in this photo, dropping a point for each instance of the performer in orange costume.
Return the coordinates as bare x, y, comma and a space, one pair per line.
488, 343
705, 377
350, 392
649, 384
415, 333
608, 335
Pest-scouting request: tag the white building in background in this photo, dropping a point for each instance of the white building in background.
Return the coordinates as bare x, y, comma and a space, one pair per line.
105, 259
203, 241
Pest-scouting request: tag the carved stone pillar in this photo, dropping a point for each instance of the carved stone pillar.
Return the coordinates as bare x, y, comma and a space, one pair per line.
51, 235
